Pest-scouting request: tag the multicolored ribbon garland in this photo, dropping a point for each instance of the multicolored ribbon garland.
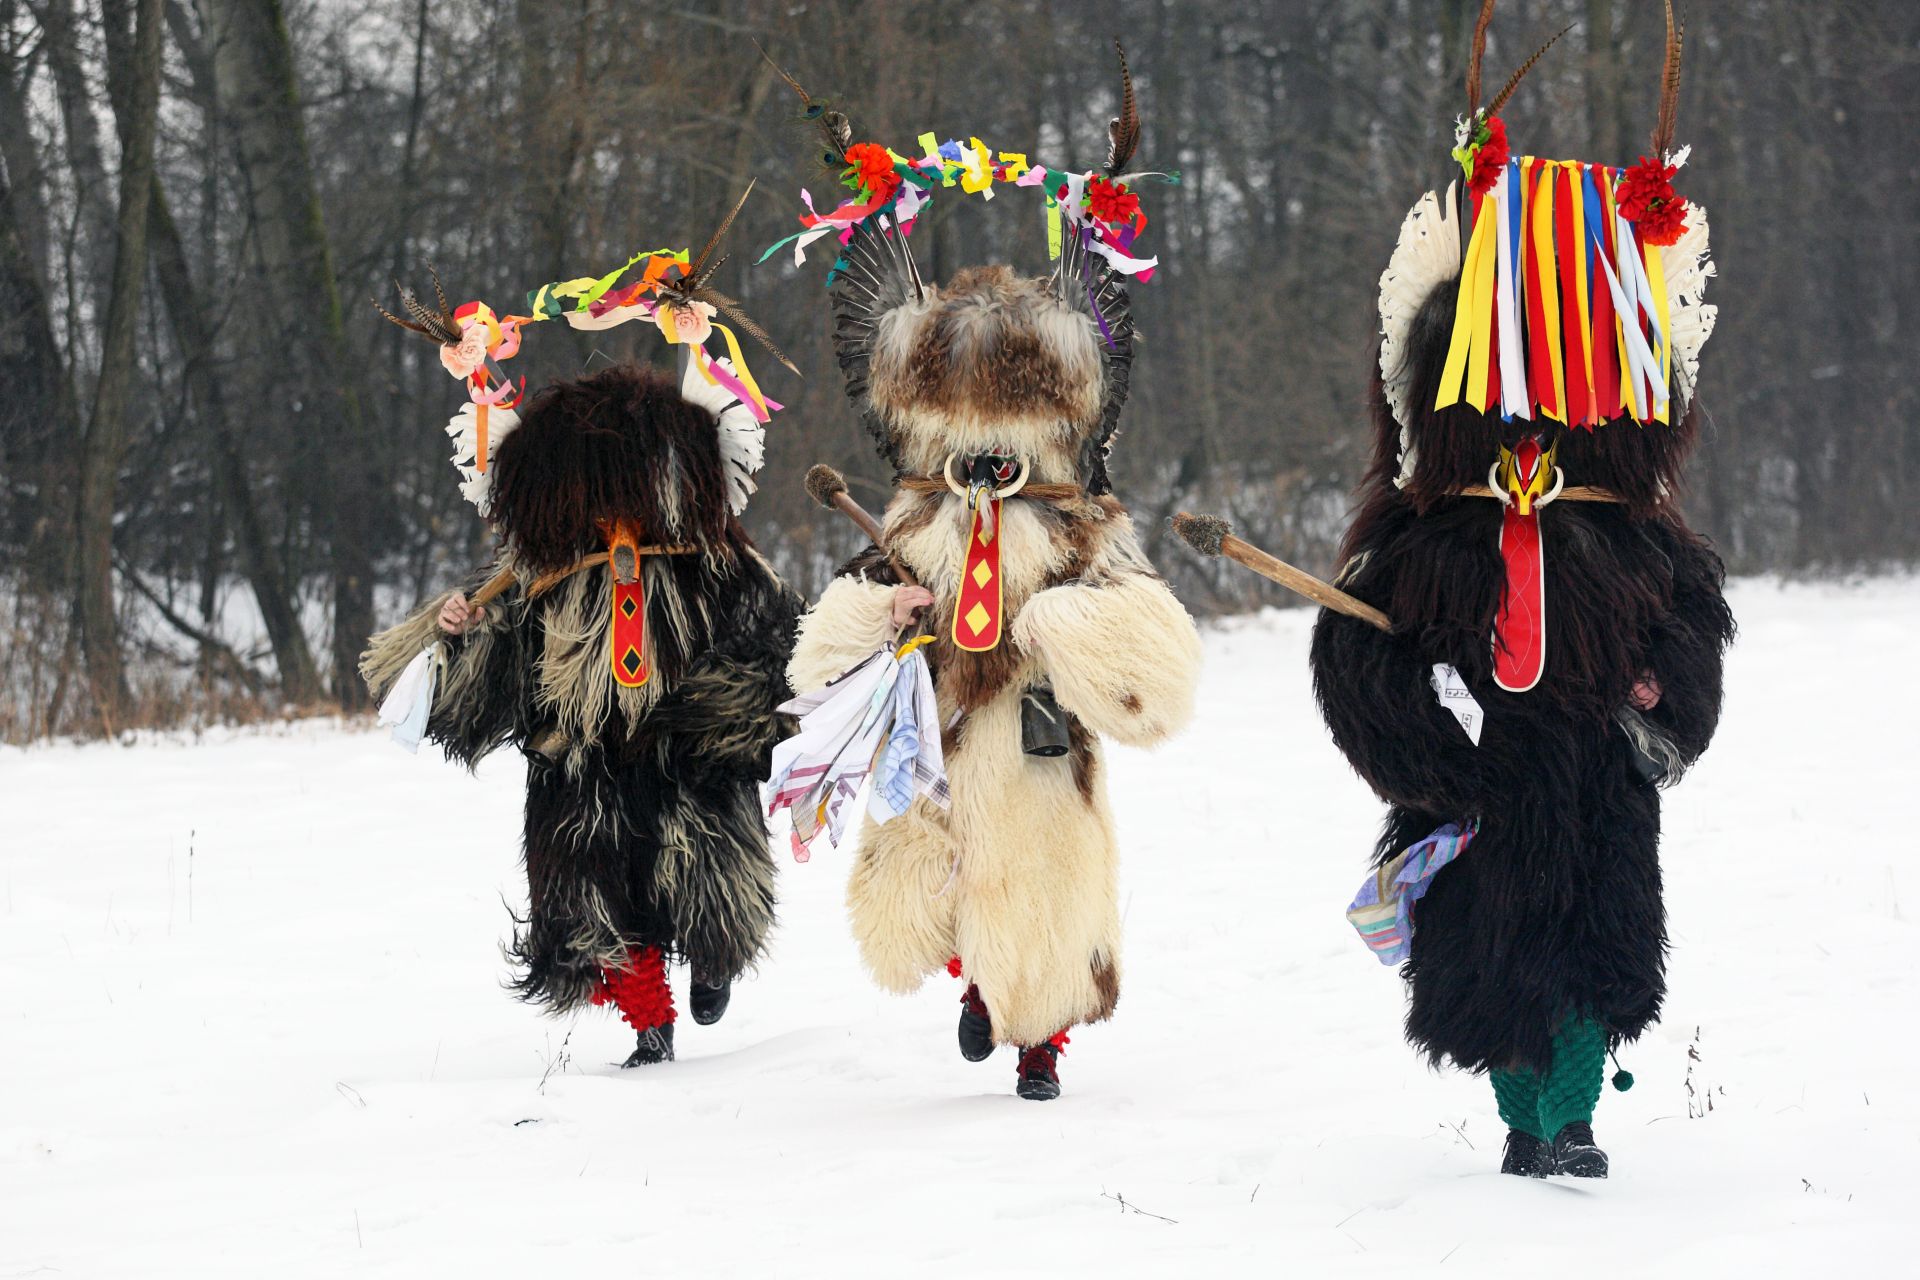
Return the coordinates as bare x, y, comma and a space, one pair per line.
1562, 310
1105, 213
593, 303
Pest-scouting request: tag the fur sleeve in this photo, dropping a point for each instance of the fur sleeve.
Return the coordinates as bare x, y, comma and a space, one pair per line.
477, 689
1122, 655
724, 709
1376, 695
1688, 644
852, 618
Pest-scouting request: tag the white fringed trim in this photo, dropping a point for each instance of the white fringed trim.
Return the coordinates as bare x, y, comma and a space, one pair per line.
1427, 255
743, 439
476, 486
1688, 264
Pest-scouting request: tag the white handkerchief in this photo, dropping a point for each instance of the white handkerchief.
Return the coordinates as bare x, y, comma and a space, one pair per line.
411, 700
1457, 699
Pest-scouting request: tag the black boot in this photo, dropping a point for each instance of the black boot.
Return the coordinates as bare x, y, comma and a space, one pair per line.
708, 1001
1039, 1073
656, 1045
1575, 1156
1526, 1156
976, 1027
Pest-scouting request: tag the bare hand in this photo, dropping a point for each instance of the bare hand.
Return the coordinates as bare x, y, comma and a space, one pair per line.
457, 616
1646, 692
906, 600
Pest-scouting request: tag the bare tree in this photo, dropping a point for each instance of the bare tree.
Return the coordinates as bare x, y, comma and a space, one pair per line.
108, 426
259, 89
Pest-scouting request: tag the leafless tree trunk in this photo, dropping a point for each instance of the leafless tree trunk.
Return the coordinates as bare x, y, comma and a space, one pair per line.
108, 425
253, 67
299, 680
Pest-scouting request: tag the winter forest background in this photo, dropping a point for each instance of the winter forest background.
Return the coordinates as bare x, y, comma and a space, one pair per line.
220, 470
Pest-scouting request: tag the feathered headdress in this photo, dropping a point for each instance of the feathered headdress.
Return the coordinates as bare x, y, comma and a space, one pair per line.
1093, 221
1579, 284
667, 287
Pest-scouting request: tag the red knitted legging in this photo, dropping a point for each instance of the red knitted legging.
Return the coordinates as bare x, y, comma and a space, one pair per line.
639, 989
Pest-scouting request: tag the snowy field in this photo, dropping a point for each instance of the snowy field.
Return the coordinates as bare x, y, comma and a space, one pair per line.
253, 1027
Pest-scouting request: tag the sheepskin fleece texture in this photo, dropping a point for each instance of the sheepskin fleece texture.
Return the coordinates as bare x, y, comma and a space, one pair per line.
989, 362
644, 827
1019, 877
1555, 910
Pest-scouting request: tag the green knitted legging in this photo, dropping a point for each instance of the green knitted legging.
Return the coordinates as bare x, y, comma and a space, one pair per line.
1542, 1105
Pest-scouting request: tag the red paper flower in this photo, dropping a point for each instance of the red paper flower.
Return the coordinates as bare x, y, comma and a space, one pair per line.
1490, 156
1111, 202
1645, 198
870, 169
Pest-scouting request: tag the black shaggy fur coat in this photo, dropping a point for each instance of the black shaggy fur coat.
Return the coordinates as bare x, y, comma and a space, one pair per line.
1555, 908
643, 817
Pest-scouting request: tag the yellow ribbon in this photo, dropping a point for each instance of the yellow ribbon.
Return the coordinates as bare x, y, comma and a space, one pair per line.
1464, 315
1480, 361
980, 176
1549, 284
740, 370
900, 655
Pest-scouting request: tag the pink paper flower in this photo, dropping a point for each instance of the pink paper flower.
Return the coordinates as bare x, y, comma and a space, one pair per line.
684, 321
462, 358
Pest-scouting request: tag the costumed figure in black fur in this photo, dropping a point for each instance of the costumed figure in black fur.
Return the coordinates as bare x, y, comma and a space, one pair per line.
1557, 630
629, 640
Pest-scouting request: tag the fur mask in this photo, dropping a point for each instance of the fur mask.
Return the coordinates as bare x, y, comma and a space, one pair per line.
622, 449
992, 366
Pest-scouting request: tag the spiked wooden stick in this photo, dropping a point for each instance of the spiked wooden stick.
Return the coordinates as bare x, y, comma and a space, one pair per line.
1212, 536
829, 488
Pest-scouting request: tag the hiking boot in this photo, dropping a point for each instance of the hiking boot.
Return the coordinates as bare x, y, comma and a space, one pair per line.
656, 1045
1575, 1156
1526, 1156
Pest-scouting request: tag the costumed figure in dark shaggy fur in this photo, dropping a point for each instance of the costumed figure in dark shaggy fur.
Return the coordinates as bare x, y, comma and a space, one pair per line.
1557, 631
629, 640
995, 397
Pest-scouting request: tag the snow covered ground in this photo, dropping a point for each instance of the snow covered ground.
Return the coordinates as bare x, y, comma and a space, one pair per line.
253, 1027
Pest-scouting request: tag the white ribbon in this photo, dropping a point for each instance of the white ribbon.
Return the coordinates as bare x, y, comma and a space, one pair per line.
1513, 369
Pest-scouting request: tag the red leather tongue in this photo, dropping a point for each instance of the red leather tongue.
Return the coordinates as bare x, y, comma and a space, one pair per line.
629, 647
977, 610
1520, 628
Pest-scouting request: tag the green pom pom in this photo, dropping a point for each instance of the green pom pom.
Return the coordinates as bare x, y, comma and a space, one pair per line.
1623, 1080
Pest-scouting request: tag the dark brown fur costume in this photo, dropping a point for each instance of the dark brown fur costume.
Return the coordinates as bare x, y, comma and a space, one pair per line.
644, 827
1555, 908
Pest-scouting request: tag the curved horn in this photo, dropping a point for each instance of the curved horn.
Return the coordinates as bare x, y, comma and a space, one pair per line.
1477, 54
1669, 89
